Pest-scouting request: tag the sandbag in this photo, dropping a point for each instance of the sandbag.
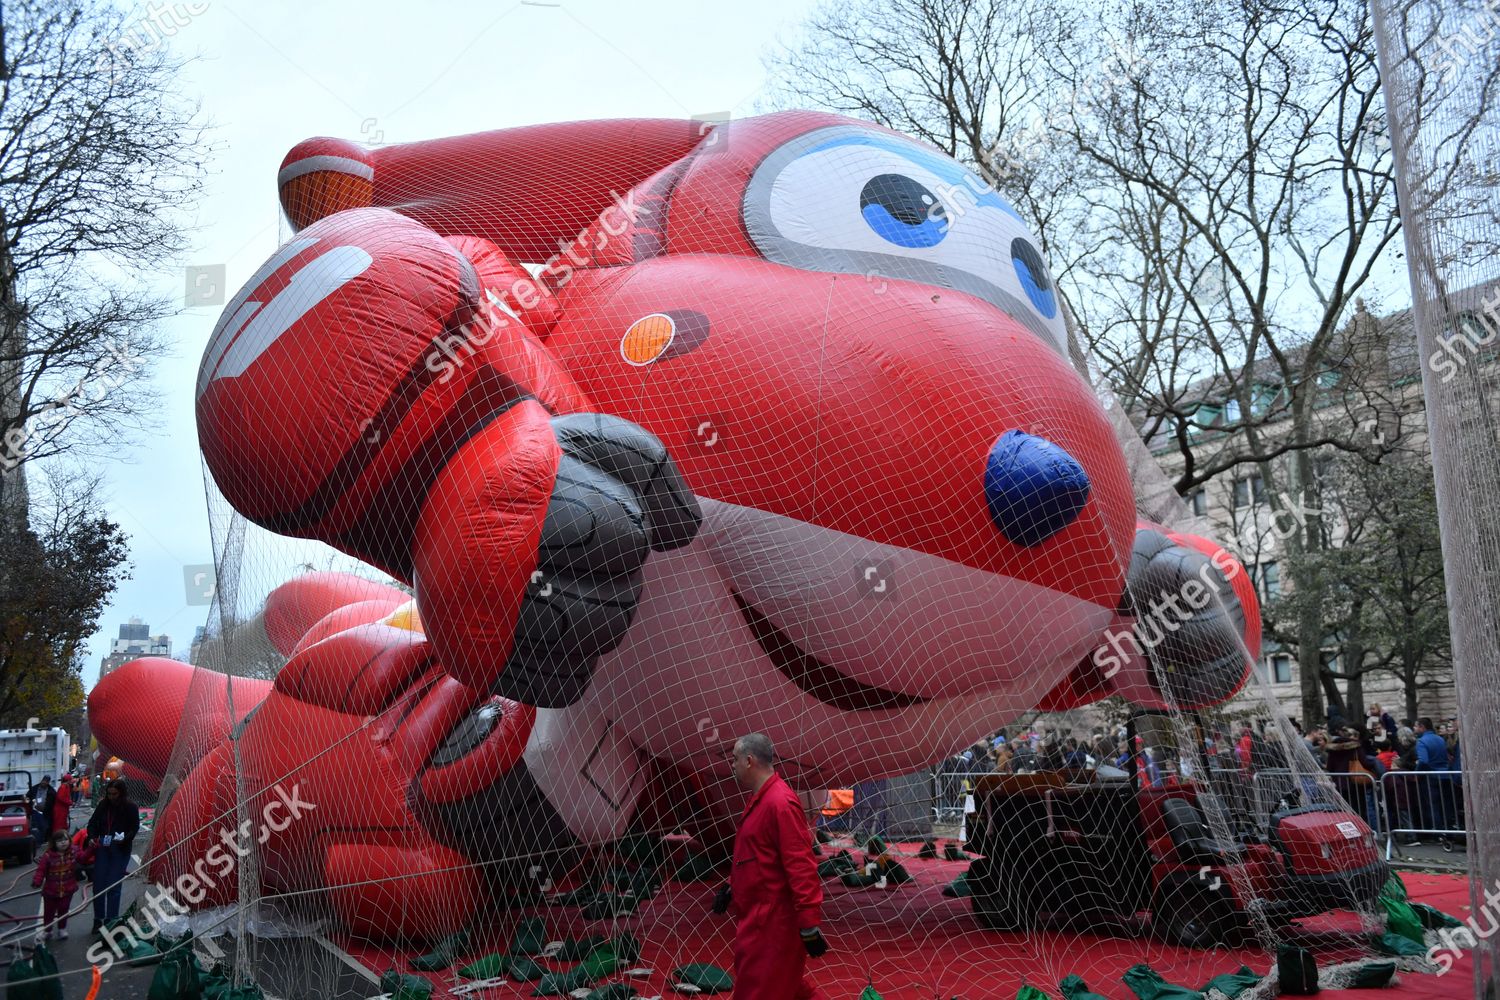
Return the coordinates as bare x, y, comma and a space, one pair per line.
176, 978
572, 950
1147, 984
698, 868
958, 888
1391, 943
708, 978
34, 978
523, 969
840, 864
560, 984
444, 955
1296, 971
614, 991
1372, 976
531, 937
1432, 918
1232, 984
405, 986
1401, 919
1074, 988
491, 966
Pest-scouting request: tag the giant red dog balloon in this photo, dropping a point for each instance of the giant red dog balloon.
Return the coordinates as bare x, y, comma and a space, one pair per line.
777, 432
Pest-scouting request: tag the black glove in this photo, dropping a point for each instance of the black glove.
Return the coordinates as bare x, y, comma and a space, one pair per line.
721, 901
814, 942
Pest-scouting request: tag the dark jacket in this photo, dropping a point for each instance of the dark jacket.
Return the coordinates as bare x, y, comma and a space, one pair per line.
48, 795
122, 817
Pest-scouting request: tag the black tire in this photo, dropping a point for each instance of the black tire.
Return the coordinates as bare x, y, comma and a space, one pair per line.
1194, 915
991, 893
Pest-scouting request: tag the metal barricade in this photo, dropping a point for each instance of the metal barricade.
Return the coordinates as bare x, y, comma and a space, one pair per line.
1363, 794
1423, 803
950, 793
1272, 784
1234, 788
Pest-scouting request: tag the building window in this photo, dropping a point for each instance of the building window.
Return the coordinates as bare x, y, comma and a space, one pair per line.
1267, 579
1198, 500
1331, 661
1249, 490
1202, 419
1231, 411
1280, 668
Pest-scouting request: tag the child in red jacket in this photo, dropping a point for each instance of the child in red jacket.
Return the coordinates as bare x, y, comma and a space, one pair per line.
57, 877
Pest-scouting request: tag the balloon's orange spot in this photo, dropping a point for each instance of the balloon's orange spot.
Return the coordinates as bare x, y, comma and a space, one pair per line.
406, 616
314, 196
647, 339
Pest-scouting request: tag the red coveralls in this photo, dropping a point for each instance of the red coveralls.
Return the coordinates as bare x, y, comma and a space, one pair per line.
776, 892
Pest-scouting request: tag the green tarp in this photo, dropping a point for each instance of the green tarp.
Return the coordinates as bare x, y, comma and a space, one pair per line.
1147, 984
1074, 988
488, 967
708, 978
444, 955
405, 986
531, 937
1232, 984
34, 978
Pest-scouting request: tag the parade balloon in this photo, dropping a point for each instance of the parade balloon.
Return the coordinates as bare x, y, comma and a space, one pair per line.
674, 434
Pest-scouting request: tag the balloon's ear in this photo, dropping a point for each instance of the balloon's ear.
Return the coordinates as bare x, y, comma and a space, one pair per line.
522, 188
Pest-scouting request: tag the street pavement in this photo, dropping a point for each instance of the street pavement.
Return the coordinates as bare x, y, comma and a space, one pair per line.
124, 982
287, 966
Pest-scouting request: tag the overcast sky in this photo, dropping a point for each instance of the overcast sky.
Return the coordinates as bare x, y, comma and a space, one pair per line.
269, 74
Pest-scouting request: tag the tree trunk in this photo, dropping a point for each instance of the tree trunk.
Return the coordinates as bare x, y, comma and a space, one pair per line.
1301, 539
1409, 688
1355, 701
1353, 658
14, 501
1330, 686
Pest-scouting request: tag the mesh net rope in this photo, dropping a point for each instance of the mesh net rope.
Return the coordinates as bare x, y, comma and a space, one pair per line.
1438, 64
859, 566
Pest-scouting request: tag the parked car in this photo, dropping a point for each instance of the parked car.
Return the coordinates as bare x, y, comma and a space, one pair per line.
15, 829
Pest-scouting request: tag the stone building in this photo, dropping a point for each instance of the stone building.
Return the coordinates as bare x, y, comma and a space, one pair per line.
1374, 388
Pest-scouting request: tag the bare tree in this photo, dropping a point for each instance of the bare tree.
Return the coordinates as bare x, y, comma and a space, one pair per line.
1384, 595
98, 159
1214, 188
1263, 127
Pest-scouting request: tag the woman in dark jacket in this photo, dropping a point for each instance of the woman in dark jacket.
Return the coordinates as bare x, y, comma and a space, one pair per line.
112, 829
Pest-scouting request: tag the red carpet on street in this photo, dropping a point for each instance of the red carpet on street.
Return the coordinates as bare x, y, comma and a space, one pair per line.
913, 943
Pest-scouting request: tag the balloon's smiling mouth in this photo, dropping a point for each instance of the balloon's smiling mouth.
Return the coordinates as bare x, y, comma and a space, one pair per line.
813, 677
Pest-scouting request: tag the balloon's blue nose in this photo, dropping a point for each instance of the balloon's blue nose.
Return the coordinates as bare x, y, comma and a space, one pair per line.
1033, 487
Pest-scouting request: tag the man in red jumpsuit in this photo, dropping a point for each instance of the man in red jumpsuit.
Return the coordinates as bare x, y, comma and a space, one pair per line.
775, 889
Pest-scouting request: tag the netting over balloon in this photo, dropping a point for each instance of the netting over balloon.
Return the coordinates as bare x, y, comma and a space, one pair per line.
633, 438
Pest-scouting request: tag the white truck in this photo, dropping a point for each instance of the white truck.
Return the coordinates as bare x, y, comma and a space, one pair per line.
28, 754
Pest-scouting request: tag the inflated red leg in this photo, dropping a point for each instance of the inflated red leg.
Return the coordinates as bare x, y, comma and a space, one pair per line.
415, 891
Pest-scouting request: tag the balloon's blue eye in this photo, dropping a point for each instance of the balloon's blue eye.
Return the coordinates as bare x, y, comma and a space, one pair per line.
1033, 275
903, 212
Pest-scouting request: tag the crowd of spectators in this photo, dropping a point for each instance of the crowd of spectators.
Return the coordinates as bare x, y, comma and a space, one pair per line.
1356, 758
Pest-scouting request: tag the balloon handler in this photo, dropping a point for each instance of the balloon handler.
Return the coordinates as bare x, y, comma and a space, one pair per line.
774, 887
